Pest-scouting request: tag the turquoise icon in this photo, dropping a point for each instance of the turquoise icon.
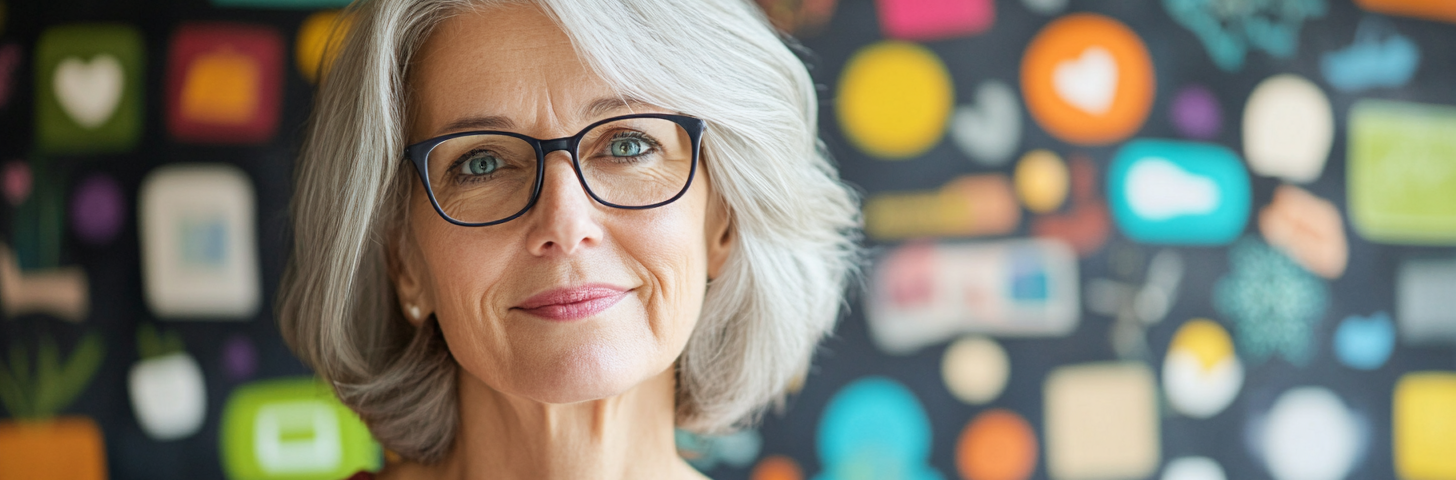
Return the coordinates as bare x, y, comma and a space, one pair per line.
1178, 193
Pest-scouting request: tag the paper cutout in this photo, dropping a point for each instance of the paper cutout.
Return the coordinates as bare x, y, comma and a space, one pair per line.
1229, 32
997, 445
199, 252
65, 448
800, 18
1042, 181
972, 205
874, 428
1178, 193
319, 40
1201, 374
924, 20
990, 130
1101, 421
1086, 225
1193, 468
97, 210
1308, 229
55, 383
975, 369
1288, 129
1380, 57
1273, 302
1365, 343
1424, 304
89, 88
1045, 7
1137, 305
290, 428
9, 63
1088, 79
239, 357
224, 83
1423, 425
1400, 180
168, 396
60, 292
1196, 113
777, 467
894, 100
922, 294
1310, 434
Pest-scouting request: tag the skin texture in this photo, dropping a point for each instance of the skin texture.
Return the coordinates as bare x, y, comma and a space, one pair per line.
588, 398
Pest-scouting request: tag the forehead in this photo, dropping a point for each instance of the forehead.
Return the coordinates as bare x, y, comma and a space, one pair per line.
507, 68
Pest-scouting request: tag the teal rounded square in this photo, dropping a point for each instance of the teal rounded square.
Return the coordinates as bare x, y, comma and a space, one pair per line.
292, 429
81, 62
1201, 168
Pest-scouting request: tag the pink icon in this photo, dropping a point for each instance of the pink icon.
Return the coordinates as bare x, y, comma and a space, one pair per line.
921, 20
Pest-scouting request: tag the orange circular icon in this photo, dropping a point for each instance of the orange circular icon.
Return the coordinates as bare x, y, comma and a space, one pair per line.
777, 467
1088, 79
997, 445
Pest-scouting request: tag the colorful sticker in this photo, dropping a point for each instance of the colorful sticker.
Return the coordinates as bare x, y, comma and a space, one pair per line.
224, 83
1365, 342
1275, 303
1229, 32
1401, 181
1442, 11
1042, 181
1101, 421
894, 100
1193, 468
89, 88
1379, 58
1086, 225
924, 293
923, 20
997, 445
1201, 374
989, 130
1423, 425
968, 206
1308, 229
1424, 305
318, 42
975, 369
98, 210
292, 428
1288, 129
1088, 79
199, 252
1178, 193
1196, 113
874, 428
1309, 433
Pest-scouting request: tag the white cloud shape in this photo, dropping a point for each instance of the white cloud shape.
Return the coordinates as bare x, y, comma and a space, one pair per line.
1158, 189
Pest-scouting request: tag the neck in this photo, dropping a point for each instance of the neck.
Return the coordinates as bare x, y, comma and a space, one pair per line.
626, 436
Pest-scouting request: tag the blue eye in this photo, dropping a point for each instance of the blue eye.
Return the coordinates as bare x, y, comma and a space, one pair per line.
481, 164
627, 147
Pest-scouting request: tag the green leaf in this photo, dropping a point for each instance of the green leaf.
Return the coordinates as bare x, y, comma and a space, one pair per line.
174, 343
46, 373
147, 344
20, 363
76, 375
12, 386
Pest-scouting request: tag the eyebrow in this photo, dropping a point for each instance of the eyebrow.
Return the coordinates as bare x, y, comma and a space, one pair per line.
596, 109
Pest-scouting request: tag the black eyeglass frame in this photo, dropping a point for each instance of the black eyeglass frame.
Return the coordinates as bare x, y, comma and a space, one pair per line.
419, 155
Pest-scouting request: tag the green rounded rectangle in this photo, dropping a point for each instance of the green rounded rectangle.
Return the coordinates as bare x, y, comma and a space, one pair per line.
88, 83
1401, 176
292, 429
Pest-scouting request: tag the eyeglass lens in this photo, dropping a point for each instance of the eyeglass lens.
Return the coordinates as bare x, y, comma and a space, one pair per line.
632, 162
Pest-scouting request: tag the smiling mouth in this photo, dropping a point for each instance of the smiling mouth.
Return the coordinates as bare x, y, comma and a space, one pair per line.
565, 304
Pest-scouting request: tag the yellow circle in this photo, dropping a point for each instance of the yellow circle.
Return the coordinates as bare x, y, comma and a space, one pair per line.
894, 99
1205, 339
1042, 181
319, 39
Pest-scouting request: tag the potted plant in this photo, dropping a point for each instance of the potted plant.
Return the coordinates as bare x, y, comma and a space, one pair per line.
36, 443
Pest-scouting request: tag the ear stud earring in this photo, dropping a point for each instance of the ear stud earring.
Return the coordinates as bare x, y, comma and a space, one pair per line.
414, 312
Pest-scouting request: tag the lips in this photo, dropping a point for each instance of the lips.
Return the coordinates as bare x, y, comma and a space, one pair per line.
574, 303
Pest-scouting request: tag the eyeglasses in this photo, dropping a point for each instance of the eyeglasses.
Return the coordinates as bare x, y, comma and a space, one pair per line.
482, 178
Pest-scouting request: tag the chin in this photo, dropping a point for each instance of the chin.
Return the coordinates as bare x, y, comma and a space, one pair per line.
587, 372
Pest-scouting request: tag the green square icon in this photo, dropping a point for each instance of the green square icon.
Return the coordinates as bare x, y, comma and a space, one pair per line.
292, 429
1402, 172
88, 81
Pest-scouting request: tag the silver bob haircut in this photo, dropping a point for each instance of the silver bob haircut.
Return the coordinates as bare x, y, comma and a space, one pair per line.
780, 290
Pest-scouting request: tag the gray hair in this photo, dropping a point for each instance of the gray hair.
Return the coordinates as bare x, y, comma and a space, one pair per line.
780, 290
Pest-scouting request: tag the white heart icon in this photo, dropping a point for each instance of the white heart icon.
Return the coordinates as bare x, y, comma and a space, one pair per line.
990, 130
89, 92
1089, 82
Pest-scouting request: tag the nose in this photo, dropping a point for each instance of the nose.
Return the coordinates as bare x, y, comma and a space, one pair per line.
563, 218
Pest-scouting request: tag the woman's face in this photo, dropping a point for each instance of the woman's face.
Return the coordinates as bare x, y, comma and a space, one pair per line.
574, 300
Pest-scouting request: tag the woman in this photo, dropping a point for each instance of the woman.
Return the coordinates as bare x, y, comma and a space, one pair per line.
531, 239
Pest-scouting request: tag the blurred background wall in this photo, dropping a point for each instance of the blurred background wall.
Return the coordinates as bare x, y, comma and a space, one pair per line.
1176, 239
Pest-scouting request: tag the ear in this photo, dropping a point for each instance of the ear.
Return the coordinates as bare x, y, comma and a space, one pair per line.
719, 233
406, 269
